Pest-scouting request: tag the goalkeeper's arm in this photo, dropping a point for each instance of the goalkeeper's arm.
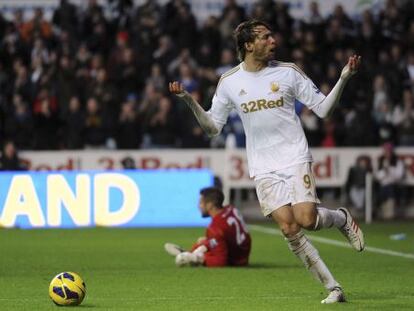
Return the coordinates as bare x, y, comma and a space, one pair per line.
194, 258
203, 118
326, 107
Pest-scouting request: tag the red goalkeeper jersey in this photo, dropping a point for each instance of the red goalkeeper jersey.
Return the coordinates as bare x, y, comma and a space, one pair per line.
228, 240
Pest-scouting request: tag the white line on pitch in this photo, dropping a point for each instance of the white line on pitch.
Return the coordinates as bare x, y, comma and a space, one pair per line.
335, 242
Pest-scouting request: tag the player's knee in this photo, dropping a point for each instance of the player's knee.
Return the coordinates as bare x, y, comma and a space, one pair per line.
307, 221
289, 229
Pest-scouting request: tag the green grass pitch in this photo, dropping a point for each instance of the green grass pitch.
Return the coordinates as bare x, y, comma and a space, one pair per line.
127, 269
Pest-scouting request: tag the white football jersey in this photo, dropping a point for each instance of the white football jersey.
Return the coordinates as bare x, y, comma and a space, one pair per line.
265, 102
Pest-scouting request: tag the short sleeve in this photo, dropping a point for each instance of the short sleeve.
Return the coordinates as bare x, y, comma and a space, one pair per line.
221, 106
305, 90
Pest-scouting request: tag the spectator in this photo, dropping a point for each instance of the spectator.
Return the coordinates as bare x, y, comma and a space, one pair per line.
234, 132
359, 127
74, 125
187, 78
120, 13
157, 78
231, 5
210, 43
146, 29
389, 176
227, 62
314, 20
36, 26
280, 17
368, 38
65, 84
403, 118
46, 126
229, 20
83, 60
343, 19
160, 126
19, 124
44, 95
356, 182
329, 136
21, 84
310, 123
126, 39
183, 28
129, 130
150, 99
95, 125
92, 16
117, 52
409, 71
183, 58
10, 160
392, 25
165, 52
126, 75
103, 90
65, 17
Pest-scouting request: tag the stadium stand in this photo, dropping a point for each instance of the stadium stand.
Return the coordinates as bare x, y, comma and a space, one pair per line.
83, 79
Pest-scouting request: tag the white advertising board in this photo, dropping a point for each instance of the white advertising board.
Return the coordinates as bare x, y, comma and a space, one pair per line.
330, 165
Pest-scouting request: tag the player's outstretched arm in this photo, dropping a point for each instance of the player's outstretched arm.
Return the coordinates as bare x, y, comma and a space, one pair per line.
325, 108
202, 116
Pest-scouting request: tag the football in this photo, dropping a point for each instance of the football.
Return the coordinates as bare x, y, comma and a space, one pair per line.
67, 289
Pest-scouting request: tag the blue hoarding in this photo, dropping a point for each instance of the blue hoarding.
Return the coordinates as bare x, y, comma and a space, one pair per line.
132, 198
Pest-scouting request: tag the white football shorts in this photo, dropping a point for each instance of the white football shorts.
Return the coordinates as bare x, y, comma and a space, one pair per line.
291, 185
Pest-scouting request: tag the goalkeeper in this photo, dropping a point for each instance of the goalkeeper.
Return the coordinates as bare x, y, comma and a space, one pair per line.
227, 241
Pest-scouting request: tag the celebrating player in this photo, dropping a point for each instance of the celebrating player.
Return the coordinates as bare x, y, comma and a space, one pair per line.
227, 241
263, 93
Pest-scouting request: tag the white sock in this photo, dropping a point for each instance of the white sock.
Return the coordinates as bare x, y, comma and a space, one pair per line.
308, 254
327, 218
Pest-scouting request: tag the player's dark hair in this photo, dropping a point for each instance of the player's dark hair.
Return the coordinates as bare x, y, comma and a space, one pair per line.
213, 195
244, 33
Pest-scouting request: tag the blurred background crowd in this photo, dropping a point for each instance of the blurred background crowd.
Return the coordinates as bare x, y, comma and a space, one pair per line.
84, 79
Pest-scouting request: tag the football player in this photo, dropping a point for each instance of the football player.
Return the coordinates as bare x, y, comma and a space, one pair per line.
263, 92
227, 241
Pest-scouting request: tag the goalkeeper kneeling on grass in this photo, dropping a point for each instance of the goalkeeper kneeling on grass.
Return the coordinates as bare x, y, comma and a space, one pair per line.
227, 241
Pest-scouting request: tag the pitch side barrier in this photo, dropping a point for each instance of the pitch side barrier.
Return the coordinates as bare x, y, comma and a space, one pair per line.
127, 198
331, 165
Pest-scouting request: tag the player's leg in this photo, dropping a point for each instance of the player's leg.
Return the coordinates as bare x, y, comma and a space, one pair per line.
274, 193
312, 218
317, 218
173, 249
343, 220
303, 248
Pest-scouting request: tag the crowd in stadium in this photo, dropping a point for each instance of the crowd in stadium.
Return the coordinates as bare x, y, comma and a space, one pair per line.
88, 80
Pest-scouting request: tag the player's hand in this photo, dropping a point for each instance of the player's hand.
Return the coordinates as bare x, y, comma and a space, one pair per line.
351, 67
201, 239
176, 88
